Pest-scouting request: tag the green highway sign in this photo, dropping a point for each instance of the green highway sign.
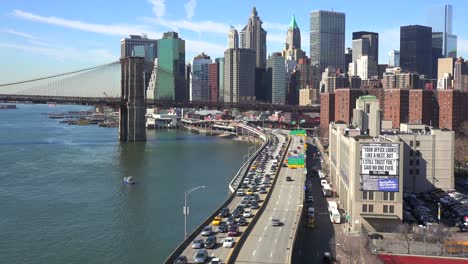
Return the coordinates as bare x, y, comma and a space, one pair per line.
299, 132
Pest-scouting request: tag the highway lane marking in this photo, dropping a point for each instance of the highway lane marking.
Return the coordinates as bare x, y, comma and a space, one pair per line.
266, 227
260, 239
271, 254
253, 254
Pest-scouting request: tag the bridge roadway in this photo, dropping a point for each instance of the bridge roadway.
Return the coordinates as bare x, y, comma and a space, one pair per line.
118, 101
219, 251
273, 244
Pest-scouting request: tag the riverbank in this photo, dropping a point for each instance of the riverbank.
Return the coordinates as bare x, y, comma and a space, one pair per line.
223, 134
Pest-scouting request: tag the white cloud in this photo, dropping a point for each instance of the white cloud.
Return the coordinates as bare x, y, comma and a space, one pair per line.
116, 30
159, 7
190, 8
275, 26
196, 26
278, 38
20, 34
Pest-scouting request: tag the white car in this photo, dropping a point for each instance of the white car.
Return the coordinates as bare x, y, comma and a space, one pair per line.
215, 261
228, 242
247, 213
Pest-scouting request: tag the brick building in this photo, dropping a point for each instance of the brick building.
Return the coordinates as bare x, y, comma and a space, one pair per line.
453, 110
421, 107
396, 106
213, 82
345, 102
327, 111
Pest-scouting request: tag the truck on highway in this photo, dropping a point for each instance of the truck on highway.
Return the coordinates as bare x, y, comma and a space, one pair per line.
327, 192
335, 216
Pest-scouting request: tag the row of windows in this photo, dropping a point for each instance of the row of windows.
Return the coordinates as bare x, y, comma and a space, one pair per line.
417, 143
387, 209
387, 196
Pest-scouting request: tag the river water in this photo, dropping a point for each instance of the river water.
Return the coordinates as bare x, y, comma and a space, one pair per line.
62, 199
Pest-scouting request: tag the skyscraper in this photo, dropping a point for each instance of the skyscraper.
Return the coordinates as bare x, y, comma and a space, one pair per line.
220, 62
199, 85
253, 36
416, 49
277, 64
239, 75
171, 83
394, 58
366, 43
442, 36
140, 46
233, 38
293, 37
327, 39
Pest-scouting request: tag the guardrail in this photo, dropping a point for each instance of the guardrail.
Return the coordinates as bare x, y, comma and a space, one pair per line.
235, 182
184, 244
300, 219
238, 246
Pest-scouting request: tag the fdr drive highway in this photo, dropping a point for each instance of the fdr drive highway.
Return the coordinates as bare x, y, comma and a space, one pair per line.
268, 191
274, 244
255, 179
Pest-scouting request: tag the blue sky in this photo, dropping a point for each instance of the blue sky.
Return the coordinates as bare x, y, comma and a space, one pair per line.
44, 37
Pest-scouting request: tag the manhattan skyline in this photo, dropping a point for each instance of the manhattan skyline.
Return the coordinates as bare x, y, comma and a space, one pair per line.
43, 39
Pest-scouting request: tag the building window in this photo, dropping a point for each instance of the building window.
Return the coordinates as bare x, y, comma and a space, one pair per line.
391, 209
364, 208
367, 195
418, 143
371, 208
371, 195
418, 153
411, 143
364, 195
389, 196
392, 196
417, 162
417, 171
411, 172
411, 162
411, 152
385, 209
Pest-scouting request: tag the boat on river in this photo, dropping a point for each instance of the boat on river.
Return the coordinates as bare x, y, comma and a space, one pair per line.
129, 180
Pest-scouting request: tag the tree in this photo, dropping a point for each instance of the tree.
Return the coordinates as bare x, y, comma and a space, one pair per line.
461, 145
405, 233
355, 249
440, 234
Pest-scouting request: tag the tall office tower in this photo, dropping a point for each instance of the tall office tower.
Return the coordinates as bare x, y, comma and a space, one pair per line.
140, 46
213, 82
348, 55
366, 48
394, 58
293, 37
239, 76
233, 38
416, 49
199, 86
277, 64
187, 73
171, 68
442, 36
327, 39
253, 36
461, 75
366, 67
220, 62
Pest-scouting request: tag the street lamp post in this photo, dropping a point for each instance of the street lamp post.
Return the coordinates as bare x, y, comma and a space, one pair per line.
186, 208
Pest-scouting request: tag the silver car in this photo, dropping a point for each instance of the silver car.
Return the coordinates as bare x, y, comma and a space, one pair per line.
197, 243
206, 231
201, 256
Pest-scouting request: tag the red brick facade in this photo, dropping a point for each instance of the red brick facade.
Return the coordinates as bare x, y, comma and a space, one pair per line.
213, 82
396, 106
345, 102
421, 107
327, 111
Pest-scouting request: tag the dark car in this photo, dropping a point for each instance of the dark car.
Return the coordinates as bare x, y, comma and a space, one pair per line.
224, 212
242, 221
231, 220
222, 228
288, 178
375, 236
180, 260
254, 205
235, 213
210, 242
233, 230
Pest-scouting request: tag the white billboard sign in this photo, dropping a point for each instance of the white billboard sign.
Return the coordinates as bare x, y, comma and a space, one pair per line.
379, 159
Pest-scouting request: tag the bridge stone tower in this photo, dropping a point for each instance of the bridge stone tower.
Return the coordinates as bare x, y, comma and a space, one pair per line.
133, 108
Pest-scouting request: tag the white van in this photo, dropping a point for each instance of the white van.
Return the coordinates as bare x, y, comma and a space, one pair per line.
240, 192
323, 182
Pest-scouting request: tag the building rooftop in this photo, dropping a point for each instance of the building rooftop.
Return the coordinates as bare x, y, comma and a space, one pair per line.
293, 24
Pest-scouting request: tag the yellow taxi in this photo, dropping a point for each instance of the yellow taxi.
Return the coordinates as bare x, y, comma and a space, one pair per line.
216, 220
249, 191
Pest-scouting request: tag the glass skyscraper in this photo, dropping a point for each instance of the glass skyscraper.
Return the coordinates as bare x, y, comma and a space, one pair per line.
442, 37
327, 39
416, 49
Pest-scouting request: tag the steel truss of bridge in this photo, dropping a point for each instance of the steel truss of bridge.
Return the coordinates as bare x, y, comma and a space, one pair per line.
117, 102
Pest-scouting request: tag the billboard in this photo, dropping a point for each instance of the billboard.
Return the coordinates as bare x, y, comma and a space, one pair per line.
380, 167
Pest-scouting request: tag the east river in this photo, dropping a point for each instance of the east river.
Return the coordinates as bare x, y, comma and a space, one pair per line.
62, 199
